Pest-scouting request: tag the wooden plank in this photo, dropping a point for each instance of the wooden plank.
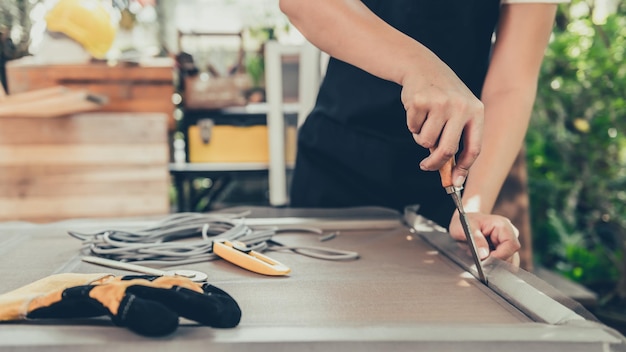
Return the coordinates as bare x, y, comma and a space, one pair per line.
137, 88
92, 189
72, 174
26, 74
37, 94
84, 165
142, 105
88, 128
112, 205
17, 182
50, 154
71, 102
125, 90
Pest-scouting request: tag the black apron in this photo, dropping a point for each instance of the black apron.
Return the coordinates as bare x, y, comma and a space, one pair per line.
354, 149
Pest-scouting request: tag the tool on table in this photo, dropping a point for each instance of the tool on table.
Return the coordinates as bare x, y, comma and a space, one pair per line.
193, 275
446, 181
239, 254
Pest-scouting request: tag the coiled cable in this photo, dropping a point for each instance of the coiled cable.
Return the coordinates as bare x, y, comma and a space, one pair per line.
170, 241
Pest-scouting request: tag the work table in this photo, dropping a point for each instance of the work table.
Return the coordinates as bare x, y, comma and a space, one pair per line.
410, 289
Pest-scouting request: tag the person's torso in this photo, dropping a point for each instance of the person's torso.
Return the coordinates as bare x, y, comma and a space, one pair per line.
457, 31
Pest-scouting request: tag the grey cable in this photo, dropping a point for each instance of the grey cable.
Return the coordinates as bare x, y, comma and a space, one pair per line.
169, 241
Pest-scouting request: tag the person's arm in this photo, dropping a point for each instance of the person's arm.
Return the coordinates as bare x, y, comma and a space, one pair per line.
436, 101
508, 95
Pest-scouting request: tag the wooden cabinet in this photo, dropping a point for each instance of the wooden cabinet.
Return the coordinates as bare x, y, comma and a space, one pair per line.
111, 162
144, 87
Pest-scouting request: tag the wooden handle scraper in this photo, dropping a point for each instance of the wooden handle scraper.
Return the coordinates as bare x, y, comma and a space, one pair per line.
446, 181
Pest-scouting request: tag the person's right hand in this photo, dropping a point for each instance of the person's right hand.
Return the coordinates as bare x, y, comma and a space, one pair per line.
439, 109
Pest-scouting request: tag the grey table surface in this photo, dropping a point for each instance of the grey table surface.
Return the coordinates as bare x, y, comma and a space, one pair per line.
403, 293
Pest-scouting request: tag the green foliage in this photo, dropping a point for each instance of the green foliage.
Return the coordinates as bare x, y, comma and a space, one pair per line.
15, 26
255, 66
14, 31
255, 63
576, 149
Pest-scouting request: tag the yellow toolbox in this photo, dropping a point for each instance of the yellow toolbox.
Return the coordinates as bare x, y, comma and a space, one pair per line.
230, 143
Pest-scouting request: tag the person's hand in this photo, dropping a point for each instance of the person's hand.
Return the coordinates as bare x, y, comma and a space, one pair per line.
502, 234
439, 109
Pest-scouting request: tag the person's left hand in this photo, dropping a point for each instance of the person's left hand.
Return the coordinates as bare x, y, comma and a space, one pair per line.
502, 234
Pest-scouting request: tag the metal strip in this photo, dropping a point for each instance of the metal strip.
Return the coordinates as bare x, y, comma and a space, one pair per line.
531, 295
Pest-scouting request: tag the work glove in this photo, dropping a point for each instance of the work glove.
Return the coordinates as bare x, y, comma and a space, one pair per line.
147, 305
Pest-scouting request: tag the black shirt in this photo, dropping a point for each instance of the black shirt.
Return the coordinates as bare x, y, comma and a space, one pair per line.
354, 148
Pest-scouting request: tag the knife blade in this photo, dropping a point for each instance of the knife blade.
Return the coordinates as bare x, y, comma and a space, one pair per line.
446, 181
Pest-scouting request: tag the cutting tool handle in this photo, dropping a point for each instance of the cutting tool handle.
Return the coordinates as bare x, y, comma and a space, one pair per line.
235, 252
446, 172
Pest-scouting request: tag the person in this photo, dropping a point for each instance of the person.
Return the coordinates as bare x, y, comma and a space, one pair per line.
409, 85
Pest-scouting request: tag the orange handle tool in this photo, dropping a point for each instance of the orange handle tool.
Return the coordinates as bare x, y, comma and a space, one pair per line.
446, 181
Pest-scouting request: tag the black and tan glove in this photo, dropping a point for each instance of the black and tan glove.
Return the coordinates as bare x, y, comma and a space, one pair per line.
147, 305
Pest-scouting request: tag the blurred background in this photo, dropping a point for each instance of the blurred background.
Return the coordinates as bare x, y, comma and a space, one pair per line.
576, 153
194, 104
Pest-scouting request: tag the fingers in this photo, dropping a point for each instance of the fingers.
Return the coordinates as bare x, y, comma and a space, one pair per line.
146, 317
472, 146
442, 150
502, 234
482, 246
515, 260
505, 239
213, 307
439, 122
500, 231
415, 118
